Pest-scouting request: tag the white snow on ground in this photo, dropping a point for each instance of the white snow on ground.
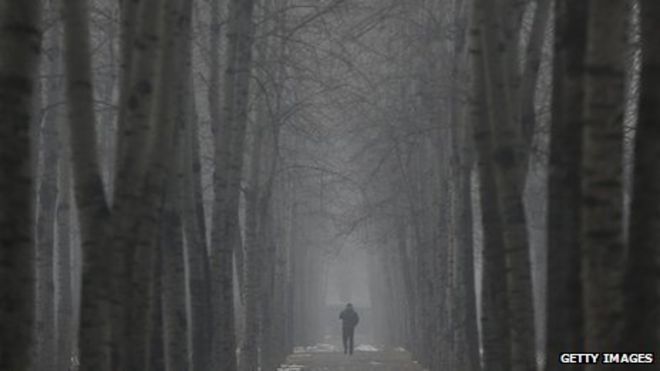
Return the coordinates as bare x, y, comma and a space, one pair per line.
329, 348
290, 368
366, 348
318, 348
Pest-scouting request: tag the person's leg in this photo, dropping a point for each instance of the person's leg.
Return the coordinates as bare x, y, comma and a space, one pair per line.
350, 339
344, 338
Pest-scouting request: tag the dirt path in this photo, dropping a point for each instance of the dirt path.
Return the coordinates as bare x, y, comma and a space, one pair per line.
393, 360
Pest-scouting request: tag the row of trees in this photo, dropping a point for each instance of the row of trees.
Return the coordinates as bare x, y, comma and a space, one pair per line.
516, 139
187, 240
498, 158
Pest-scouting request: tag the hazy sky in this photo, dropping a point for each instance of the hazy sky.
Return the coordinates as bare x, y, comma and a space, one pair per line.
347, 278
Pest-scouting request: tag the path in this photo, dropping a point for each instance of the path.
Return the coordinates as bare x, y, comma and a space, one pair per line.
321, 358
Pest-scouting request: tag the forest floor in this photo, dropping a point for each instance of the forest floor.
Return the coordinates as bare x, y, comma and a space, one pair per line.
365, 358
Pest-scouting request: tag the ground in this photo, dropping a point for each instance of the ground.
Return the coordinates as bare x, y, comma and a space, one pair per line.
366, 358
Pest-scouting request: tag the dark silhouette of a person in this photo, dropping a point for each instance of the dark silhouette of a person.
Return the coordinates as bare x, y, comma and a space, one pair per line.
349, 320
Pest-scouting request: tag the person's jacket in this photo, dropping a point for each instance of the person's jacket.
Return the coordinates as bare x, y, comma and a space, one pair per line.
349, 317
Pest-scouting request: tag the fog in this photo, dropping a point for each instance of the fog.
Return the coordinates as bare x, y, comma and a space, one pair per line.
277, 185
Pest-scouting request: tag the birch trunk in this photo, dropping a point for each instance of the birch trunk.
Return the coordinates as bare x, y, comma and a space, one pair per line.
173, 284
195, 234
135, 143
159, 172
602, 202
65, 269
45, 233
253, 257
494, 314
409, 288
94, 330
507, 170
20, 48
564, 293
462, 143
642, 285
229, 142
529, 80
195, 231
173, 260
154, 339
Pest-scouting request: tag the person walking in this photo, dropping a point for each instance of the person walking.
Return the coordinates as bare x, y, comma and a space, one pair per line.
350, 319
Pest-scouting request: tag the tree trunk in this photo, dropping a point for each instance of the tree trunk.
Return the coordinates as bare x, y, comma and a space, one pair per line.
65, 268
172, 253
494, 314
45, 321
229, 142
155, 342
602, 202
194, 229
94, 330
564, 321
642, 283
198, 259
173, 284
171, 33
529, 80
20, 48
507, 170
137, 134
254, 253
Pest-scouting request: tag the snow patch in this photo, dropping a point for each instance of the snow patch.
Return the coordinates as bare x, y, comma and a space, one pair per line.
290, 368
318, 348
366, 348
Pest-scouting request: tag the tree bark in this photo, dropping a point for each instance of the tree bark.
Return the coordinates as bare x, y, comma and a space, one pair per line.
197, 254
20, 41
642, 283
159, 172
495, 313
155, 342
172, 250
173, 284
137, 135
254, 254
602, 201
93, 211
65, 268
229, 143
507, 170
194, 228
564, 322
45, 232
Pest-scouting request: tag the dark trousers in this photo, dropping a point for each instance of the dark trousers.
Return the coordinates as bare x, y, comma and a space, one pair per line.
347, 337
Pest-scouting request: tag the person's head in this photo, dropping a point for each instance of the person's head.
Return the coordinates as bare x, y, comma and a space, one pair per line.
349, 305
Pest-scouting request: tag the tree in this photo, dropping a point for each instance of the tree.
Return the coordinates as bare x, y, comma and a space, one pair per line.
94, 333
642, 286
20, 40
499, 146
175, 324
602, 145
114, 331
47, 196
229, 144
564, 293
